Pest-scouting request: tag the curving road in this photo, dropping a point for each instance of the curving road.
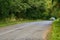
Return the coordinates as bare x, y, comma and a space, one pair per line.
26, 31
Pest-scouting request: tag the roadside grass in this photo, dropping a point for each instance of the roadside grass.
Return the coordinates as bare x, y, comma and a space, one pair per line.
55, 32
8, 23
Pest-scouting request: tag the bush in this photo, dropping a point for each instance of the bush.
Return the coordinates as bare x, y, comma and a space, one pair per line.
55, 34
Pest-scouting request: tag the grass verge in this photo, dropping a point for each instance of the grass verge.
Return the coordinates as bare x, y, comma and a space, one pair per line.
5, 24
55, 32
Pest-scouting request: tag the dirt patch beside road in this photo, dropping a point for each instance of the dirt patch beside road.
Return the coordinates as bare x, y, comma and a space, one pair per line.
45, 34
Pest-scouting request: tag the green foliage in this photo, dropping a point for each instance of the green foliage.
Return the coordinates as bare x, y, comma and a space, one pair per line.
56, 8
55, 34
28, 9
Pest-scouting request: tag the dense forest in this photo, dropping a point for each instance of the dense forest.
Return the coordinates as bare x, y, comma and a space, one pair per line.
29, 9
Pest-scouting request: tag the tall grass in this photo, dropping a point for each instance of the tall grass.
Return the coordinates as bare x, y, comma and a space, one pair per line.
55, 33
7, 23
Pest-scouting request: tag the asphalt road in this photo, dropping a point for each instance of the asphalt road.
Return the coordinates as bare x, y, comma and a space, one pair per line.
26, 31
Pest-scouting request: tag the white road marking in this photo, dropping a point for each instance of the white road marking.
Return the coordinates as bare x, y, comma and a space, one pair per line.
16, 29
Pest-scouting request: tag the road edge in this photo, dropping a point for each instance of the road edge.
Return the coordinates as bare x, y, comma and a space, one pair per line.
45, 34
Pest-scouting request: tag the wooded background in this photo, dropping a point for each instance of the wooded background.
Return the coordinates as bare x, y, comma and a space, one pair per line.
29, 9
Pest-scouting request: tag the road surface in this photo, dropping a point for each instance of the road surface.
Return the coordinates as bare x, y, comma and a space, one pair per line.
26, 31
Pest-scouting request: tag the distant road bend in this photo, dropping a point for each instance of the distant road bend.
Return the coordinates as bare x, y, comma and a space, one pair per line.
25, 31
